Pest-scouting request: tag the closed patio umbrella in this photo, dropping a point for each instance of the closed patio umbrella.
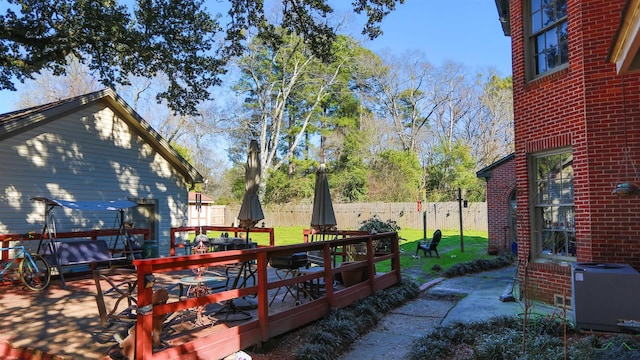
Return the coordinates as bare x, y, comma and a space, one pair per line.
251, 210
323, 217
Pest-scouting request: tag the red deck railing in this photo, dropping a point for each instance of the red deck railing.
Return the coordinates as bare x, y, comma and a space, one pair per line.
222, 341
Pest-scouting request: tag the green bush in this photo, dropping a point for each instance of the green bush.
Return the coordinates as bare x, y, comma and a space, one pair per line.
501, 338
477, 266
375, 225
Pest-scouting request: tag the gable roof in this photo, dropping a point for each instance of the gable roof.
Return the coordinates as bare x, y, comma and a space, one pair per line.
486, 172
204, 198
18, 121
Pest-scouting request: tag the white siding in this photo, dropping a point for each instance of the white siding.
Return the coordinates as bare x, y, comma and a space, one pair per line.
91, 154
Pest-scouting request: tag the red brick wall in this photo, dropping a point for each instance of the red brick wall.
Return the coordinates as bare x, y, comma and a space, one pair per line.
582, 106
500, 185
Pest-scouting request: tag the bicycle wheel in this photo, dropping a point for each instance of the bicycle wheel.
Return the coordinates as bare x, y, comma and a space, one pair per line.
35, 277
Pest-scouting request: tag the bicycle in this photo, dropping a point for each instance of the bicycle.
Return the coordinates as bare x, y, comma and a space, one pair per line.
34, 271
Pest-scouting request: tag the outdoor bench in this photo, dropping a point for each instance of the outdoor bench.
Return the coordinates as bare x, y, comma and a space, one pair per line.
73, 253
69, 253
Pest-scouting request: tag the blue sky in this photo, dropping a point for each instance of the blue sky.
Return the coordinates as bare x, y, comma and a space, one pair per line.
464, 31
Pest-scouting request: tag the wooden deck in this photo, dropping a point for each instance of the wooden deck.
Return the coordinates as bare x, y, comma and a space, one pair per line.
66, 322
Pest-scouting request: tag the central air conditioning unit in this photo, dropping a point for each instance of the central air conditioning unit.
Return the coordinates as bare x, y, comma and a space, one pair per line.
605, 296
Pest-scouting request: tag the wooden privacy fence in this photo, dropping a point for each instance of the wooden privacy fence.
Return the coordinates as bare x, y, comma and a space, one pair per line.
439, 215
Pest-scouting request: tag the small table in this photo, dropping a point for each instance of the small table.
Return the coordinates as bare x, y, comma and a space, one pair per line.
197, 286
225, 244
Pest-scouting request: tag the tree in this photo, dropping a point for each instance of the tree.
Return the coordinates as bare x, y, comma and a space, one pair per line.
349, 173
452, 167
47, 88
283, 91
397, 176
179, 38
493, 129
457, 101
345, 138
283, 187
405, 94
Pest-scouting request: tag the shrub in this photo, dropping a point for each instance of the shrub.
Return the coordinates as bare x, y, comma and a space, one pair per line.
477, 266
375, 225
501, 338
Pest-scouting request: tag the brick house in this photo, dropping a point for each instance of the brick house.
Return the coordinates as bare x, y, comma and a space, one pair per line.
577, 135
501, 203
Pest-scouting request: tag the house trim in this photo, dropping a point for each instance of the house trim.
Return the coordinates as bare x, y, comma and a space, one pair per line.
626, 42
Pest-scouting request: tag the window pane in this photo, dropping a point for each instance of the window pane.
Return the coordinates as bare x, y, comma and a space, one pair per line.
535, 5
542, 63
540, 44
551, 37
564, 53
545, 166
552, 54
567, 191
561, 9
569, 218
548, 245
571, 243
543, 193
563, 44
536, 21
560, 242
555, 191
548, 13
562, 33
547, 215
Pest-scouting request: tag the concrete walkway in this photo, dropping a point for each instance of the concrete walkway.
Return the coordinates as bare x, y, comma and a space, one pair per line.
443, 301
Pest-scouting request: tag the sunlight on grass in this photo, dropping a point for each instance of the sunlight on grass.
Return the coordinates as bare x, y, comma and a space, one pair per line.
283, 236
475, 247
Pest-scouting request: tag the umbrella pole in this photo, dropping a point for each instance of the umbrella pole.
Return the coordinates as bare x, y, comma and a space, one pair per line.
245, 264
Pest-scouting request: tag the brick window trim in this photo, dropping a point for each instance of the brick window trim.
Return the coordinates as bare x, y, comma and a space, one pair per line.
548, 143
547, 77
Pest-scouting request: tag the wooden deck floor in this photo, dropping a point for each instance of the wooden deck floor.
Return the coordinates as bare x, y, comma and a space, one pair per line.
65, 323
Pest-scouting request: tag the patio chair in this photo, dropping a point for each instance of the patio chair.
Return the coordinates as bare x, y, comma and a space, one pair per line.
428, 247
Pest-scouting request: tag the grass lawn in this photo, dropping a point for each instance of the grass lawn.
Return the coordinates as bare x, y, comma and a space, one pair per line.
424, 268
475, 247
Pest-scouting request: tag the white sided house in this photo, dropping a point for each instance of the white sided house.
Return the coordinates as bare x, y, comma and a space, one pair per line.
90, 148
